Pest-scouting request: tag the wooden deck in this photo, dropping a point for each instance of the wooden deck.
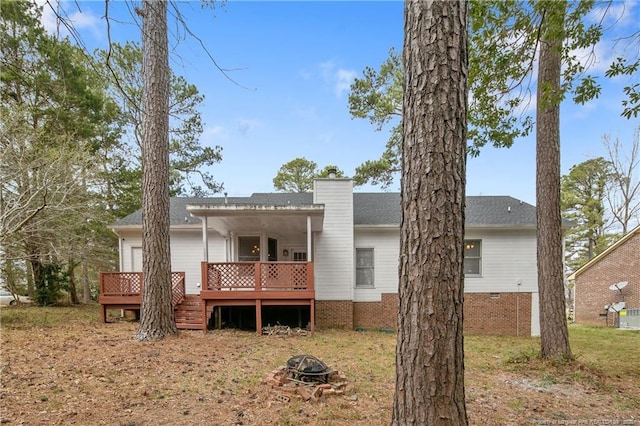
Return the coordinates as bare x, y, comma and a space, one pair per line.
223, 284
258, 284
123, 290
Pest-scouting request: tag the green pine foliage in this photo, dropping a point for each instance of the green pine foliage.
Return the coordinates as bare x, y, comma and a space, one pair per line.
583, 193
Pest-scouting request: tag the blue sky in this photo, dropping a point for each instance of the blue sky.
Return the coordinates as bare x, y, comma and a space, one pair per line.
292, 63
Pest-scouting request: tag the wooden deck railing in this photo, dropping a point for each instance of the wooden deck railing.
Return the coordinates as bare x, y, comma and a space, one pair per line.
258, 284
264, 284
258, 276
127, 286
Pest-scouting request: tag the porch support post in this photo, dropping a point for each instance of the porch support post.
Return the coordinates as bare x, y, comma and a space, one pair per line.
205, 238
309, 256
121, 254
259, 317
312, 307
204, 315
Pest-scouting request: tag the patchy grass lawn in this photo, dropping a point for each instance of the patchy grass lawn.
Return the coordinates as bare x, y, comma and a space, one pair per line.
63, 366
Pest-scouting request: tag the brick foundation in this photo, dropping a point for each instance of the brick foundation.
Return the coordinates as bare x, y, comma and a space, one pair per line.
502, 314
592, 291
377, 315
497, 313
334, 314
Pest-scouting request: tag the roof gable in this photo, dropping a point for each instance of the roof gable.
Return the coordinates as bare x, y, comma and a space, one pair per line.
612, 248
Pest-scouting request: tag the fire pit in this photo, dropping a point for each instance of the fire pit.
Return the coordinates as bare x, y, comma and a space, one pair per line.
310, 379
307, 369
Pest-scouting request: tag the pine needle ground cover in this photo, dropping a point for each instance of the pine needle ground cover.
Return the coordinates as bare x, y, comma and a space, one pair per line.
63, 366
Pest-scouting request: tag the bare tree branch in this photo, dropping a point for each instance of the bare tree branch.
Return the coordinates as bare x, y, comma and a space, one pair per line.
623, 196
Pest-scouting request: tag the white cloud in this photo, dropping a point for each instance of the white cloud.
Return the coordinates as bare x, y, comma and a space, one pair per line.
339, 78
620, 13
86, 21
77, 19
326, 70
595, 59
619, 20
212, 135
343, 80
247, 125
583, 111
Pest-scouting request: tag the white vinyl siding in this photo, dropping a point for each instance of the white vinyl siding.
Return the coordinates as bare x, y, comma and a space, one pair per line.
333, 254
386, 245
186, 254
508, 257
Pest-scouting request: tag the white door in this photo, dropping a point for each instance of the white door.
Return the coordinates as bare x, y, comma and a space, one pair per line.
136, 259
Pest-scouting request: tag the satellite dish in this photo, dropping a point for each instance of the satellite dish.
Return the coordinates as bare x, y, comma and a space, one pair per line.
618, 286
617, 307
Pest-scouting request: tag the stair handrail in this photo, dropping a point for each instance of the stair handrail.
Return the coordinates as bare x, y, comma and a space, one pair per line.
177, 287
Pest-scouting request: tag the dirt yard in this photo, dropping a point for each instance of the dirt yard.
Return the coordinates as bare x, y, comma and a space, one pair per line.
58, 368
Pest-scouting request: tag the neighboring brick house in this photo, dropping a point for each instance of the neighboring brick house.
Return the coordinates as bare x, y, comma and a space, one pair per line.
351, 242
620, 262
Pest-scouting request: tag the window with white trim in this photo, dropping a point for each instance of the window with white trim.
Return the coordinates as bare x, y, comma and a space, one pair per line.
364, 268
299, 256
472, 258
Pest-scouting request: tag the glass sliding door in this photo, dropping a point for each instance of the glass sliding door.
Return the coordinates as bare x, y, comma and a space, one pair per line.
249, 249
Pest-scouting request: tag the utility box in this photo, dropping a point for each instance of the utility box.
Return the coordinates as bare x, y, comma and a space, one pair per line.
629, 318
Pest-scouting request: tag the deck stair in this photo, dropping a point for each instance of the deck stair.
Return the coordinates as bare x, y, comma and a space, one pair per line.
188, 313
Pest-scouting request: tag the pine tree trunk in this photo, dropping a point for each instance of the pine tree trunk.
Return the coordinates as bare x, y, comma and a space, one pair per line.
430, 357
554, 335
73, 291
156, 314
86, 291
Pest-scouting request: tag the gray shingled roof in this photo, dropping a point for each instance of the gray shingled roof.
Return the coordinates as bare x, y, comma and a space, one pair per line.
499, 211
384, 209
380, 208
178, 206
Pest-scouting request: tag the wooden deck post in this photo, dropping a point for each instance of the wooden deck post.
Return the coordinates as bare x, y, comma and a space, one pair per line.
312, 308
204, 316
257, 277
259, 317
204, 276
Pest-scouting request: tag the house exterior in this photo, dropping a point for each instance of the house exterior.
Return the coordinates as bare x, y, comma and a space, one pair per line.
349, 243
593, 294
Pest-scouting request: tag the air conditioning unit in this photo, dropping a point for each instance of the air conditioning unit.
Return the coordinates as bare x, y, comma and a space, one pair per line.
630, 318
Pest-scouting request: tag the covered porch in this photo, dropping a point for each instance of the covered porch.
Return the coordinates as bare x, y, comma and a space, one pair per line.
256, 258
268, 258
